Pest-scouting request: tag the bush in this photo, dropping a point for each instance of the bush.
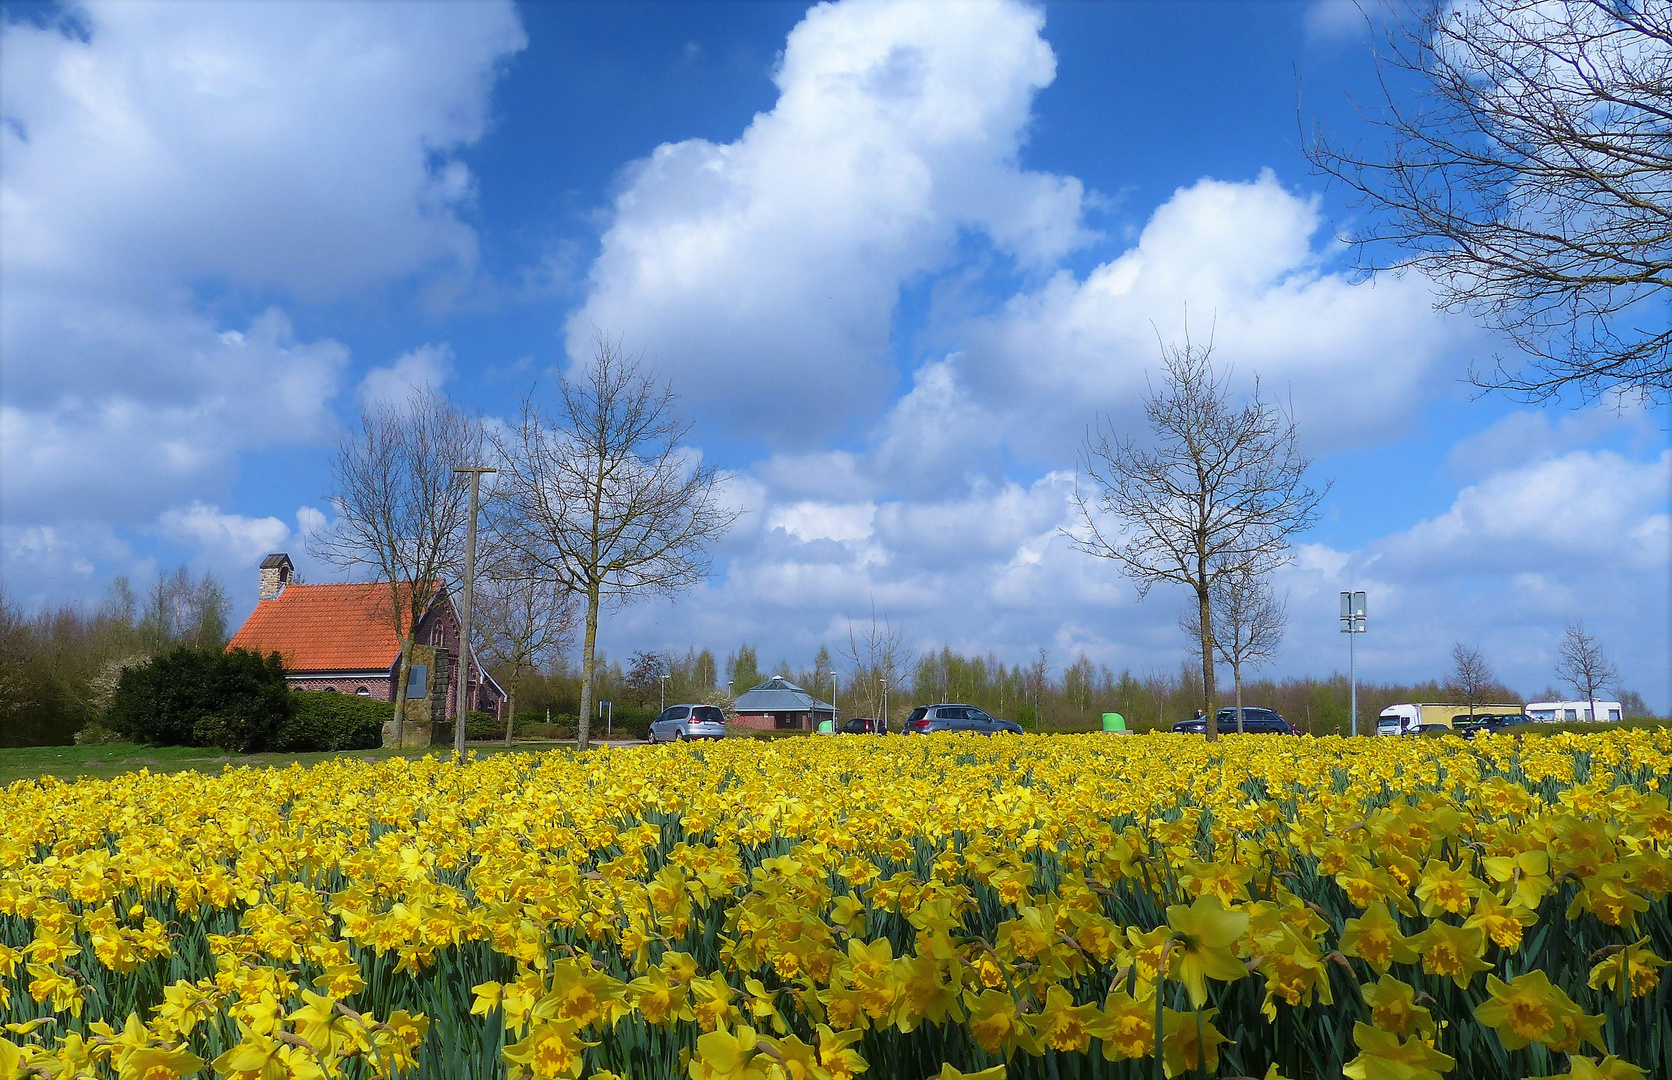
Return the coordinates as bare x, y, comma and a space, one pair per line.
324, 721
163, 701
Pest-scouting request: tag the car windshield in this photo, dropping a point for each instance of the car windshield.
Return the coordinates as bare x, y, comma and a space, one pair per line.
917, 714
709, 713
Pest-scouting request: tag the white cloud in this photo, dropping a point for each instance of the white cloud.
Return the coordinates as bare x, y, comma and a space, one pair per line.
762, 274
427, 365
95, 452
244, 143
1530, 435
1582, 509
1357, 359
220, 538
237, 149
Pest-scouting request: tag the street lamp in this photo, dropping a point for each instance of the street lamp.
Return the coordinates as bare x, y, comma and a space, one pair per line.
665, 679
475, 473
1352, 624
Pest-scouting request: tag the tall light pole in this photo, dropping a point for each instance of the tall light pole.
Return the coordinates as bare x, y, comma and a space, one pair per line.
665, 679
475, 473
1352, 624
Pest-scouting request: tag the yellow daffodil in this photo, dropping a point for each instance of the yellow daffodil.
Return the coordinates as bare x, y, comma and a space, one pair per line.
1384, 1056
1201, 946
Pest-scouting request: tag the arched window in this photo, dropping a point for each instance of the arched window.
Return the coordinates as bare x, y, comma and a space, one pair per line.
363, 692
331, 690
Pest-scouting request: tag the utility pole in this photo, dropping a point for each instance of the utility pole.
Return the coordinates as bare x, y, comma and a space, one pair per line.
475, 473
1352, 624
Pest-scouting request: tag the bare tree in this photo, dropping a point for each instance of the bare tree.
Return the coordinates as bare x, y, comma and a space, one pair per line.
1471, 677
400, 512
879, 662
1582, 665
522, 622
1531, 181
1218, 496
601, 495
1248, 620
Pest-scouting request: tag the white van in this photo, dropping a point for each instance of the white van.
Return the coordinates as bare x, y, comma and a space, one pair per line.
1567, 712
1409, 719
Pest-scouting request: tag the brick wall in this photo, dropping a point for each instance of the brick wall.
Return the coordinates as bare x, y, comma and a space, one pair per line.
765, 722
379, 685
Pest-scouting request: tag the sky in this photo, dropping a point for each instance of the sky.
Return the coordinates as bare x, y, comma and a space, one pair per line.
896, 259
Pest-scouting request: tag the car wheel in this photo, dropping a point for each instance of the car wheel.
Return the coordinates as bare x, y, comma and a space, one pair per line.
679, 736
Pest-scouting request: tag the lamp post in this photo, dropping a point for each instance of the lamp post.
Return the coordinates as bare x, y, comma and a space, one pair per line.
1352, 624
665, 679
475, 473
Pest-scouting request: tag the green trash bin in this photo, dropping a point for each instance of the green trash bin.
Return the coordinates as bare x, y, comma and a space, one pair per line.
827, 727
1114, 721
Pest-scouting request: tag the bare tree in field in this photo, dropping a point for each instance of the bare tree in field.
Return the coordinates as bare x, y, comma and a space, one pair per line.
1582, 665
522, 622
599, 493
1531, 180
1217, 497
1471, 677
400, 512
879, 662
1248, 624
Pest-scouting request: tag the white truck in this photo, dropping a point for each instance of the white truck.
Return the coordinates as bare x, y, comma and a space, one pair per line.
1557, 712
1410, 719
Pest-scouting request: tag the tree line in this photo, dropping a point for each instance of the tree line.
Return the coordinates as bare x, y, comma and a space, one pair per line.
59, 666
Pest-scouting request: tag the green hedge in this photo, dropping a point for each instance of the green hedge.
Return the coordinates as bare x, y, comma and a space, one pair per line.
187, 696
325, 721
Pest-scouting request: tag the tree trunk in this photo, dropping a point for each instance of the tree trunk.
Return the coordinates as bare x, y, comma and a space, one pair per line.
589, 654
402, 673
1204, 611
1236, 674
510, 710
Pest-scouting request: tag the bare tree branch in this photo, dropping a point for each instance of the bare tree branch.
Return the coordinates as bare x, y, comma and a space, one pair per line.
1471, 677
1217, 498
522, 622
600, 496
879, 661
400, 512
1248, 624
1582, 665
1531, 181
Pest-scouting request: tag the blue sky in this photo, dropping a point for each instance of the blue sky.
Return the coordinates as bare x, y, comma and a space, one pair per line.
894, 257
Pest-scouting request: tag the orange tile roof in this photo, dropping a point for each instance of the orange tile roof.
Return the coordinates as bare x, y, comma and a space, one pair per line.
332, 627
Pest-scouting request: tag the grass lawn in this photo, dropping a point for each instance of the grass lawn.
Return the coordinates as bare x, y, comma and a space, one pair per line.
113, 759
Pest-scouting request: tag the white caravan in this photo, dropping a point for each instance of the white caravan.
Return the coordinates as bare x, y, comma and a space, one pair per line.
1560, 712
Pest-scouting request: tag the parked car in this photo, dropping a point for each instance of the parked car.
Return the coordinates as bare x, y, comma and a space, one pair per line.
1487, 722
680, 722
1255, 721
927, 719
864, 725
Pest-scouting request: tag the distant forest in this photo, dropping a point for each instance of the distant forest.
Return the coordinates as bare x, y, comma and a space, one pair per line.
59, 666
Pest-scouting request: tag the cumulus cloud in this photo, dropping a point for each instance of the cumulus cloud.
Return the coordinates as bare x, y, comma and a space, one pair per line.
234, 539
1241, 263
96, 450
239, 142
155, 155
427, 365
763, 274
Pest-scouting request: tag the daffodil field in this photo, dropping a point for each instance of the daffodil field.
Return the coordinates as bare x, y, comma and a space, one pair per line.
818, 909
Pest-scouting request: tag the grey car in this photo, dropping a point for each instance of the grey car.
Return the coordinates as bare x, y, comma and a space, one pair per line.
926, 719
681, 722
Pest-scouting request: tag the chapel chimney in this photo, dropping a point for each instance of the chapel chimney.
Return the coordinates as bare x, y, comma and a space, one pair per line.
275, 574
